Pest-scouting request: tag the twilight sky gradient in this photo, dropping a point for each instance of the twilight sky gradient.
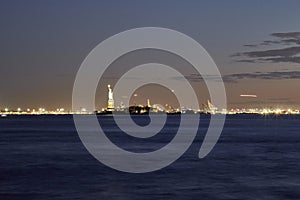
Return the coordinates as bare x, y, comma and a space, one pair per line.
256, 45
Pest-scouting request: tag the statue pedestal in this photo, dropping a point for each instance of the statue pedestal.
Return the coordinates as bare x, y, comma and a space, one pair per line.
110, 105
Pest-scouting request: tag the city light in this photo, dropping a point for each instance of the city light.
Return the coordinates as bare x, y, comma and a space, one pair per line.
208, 108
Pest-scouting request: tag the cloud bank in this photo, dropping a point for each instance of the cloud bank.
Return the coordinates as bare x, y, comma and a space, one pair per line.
234, 78
284, 54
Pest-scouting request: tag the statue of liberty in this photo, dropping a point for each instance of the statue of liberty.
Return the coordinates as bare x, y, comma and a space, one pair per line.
110, 93
110, 104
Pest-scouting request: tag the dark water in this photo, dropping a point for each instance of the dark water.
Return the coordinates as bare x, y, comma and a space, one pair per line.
42, 157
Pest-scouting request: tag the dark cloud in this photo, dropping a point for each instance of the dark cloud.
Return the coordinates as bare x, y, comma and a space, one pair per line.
290, 41
199, 78
263, 75
279, 55
250, 45
234, 78
285, 52
287, 35
270, 42
247, 60
292, 59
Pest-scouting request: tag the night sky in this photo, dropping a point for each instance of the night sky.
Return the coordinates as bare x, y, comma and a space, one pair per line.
255, 44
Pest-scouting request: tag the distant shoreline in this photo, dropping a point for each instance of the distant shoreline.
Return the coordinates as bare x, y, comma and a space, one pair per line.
146, 114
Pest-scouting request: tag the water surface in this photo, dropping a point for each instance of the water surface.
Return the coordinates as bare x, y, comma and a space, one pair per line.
42, 157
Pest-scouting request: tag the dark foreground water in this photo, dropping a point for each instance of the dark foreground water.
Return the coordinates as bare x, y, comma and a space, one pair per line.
42, 157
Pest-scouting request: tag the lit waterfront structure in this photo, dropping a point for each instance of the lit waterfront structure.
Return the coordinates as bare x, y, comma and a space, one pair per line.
208, 108
156, 108
39, 111
110, 102
148, 103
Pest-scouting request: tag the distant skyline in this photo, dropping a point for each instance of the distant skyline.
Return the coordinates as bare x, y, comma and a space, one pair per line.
255, 44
